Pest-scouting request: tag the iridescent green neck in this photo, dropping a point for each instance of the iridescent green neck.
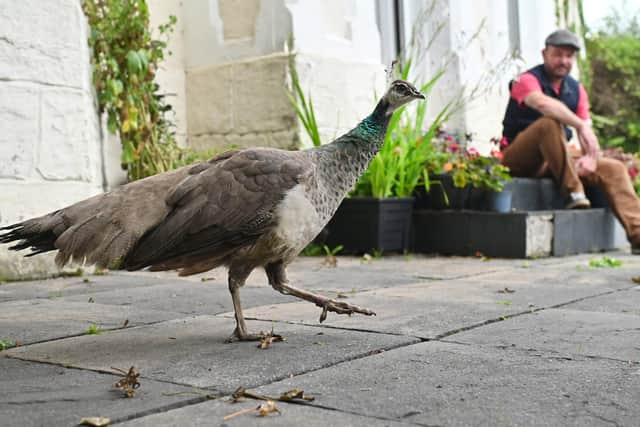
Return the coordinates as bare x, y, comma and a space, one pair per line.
374, 126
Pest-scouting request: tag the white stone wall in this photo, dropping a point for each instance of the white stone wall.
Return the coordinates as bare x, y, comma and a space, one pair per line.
171, 73
477, 35
50, 150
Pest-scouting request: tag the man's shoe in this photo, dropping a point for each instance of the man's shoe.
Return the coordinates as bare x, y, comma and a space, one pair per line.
577, 201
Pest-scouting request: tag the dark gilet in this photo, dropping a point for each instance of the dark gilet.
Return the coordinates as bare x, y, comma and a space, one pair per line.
518, 117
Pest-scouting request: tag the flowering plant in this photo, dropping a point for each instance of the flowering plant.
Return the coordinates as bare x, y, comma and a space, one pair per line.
631, 162
472, 164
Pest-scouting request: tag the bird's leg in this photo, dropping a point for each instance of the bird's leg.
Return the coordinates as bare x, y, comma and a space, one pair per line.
278, 280
237, 277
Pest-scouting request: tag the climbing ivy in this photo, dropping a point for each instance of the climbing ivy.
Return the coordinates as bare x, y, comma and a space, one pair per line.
125, 57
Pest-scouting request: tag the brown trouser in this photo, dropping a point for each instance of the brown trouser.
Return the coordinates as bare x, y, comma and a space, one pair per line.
541, 150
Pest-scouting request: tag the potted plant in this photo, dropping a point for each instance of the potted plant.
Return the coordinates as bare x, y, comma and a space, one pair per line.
377, 215
468, 179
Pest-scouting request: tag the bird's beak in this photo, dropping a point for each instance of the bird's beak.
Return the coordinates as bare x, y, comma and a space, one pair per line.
418, 95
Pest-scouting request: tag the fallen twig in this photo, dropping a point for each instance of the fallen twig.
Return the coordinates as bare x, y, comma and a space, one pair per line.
241, 393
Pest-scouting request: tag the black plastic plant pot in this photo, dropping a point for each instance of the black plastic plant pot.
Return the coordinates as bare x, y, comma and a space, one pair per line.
366, 224
443, 195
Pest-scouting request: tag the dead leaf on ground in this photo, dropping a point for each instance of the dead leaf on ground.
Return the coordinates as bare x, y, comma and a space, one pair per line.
330, 261
505, 291
636, 279
268, 407
129, 383
95, 421
124, 324
262, 410
270, 339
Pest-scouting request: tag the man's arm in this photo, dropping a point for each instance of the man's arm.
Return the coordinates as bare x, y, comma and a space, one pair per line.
555, 109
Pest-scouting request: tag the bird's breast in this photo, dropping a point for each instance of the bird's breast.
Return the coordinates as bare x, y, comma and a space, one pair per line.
298, 221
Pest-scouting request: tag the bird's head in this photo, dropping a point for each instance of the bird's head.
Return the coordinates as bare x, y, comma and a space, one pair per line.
400, 93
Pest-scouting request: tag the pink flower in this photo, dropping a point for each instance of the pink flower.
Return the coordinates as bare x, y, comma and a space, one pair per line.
504, 142
473, 152
397, 150
497, 154
454, 147
633, 172
449, 138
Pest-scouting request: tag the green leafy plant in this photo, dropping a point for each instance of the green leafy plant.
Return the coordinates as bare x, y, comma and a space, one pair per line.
125, 58
612, 76
332, 252
400, 165
93, 330
605, 262
301, 103
6, 343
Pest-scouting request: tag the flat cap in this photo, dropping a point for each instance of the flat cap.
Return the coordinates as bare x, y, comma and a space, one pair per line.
563, 38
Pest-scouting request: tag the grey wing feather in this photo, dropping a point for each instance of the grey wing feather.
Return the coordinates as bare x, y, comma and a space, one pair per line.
224, 207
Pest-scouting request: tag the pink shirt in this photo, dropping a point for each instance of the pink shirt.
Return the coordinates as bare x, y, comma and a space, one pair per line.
528, 83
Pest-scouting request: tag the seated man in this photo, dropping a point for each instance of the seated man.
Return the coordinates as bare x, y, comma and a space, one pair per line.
546, 100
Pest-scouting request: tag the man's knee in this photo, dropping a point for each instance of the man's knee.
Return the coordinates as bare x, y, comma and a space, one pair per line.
612, 167
549, 125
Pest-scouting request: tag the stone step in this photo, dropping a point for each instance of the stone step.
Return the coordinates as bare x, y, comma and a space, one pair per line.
516, 234
536, 194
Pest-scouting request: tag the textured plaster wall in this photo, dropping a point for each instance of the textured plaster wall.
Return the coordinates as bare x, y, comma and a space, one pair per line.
50, 150
236, 68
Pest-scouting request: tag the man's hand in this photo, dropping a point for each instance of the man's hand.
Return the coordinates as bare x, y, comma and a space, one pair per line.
590, 147
588, 140
586, 165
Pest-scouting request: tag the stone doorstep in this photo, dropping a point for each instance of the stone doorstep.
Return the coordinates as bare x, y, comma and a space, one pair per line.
517, 234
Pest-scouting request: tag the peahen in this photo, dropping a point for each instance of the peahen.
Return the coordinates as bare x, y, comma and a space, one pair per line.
257, 207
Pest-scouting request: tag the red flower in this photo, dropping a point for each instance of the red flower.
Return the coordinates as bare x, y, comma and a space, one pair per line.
633, 172
454, 147
497, 154
504, 142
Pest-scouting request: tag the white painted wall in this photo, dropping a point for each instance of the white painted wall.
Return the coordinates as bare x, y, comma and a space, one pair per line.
171, 73
479, 62
50, 151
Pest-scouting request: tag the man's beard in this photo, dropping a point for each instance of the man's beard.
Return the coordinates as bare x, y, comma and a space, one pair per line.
561, 72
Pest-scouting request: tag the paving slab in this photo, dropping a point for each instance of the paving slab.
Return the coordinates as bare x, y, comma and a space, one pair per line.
36, 394
358, 273
574, 270
436, 308
186, 298
38, 320
212, 414
89, 284
627, 302
567, 332
437, 383
193, 352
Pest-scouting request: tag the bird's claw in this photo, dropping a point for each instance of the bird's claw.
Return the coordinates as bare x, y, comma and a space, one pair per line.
244, 336
342, 307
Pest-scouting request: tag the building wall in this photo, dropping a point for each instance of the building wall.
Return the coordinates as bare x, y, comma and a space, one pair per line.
476, 38
236, 60
50, 149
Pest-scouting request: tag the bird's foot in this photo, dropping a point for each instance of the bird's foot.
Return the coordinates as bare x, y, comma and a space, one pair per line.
342, 307
239, 335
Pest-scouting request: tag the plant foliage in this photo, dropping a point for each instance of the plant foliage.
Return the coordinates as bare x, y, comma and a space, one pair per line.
125, 57
614, 56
